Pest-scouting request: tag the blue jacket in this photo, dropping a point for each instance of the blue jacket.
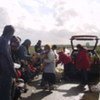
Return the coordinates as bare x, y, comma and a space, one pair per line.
23, 50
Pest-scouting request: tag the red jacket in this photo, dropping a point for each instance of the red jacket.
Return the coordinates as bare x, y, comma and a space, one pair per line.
83, 60
63, 58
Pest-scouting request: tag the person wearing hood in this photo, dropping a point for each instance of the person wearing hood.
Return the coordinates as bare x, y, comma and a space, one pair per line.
24, 57
24, 50
7, 71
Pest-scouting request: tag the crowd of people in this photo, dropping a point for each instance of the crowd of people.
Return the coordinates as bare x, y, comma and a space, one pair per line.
42, 60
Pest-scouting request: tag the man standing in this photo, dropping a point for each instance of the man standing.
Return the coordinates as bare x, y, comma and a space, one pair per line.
7, 71
38, 48
49, 67
83, 65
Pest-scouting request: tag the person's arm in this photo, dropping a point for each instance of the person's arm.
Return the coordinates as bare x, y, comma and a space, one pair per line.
11, 65
59, 60
24, 55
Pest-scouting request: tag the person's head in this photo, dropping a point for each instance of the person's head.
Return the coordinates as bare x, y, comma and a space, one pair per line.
54, 47
19, 39
8, 30
27, 43
39, 42
47, 47
15, 42
64, 48
79, 47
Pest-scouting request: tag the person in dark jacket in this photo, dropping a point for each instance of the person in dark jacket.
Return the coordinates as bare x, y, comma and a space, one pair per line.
38, 48
7, 71
24, 50
24, 57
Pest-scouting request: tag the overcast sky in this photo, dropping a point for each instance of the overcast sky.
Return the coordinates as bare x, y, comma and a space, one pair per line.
52, 21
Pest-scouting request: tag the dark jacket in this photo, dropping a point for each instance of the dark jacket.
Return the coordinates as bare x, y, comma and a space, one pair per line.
23, 51
38, 48
6, 62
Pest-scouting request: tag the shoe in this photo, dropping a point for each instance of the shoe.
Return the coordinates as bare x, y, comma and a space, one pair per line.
45, 87
81, 87
51, 88
25, 90
90, 90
